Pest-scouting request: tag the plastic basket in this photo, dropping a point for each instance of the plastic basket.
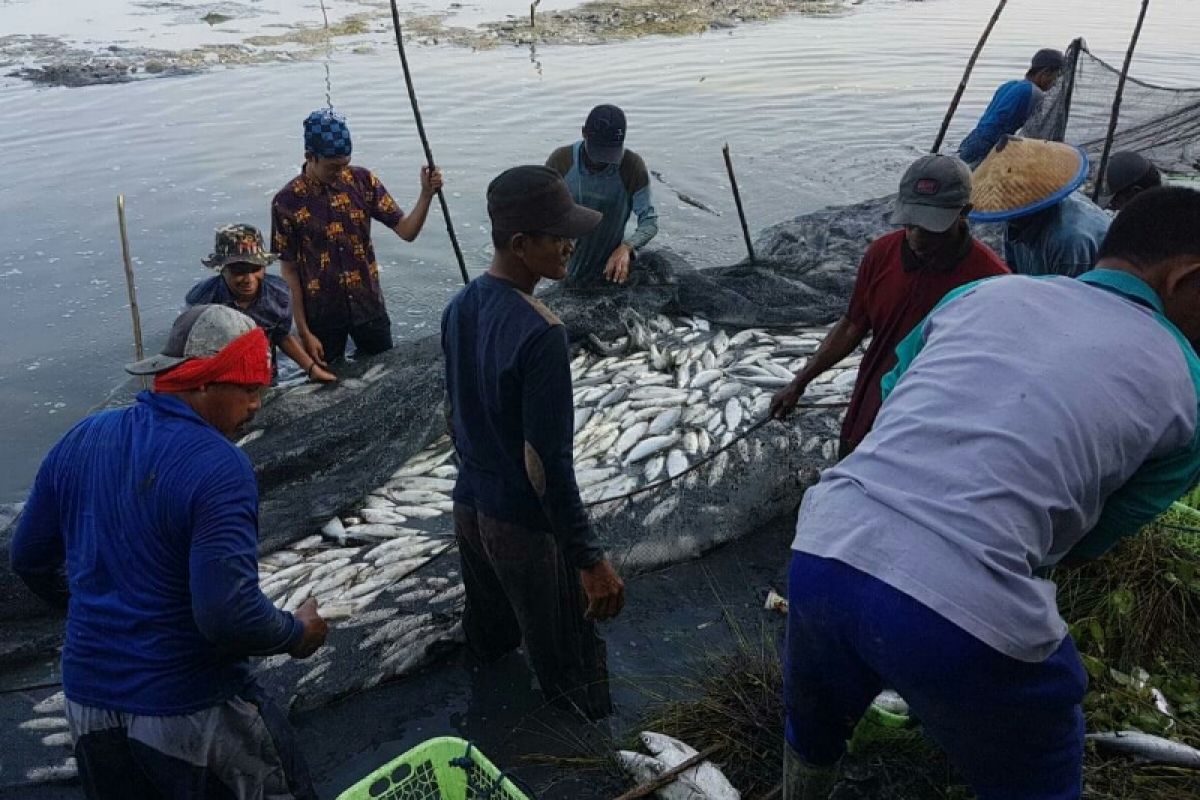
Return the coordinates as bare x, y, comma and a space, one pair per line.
445, 768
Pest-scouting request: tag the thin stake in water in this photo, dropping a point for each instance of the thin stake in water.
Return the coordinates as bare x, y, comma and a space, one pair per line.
962, 85
129, 285
1116, 109
737, 198
412, 96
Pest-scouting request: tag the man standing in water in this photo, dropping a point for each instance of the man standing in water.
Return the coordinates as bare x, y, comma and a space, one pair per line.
603, 175
1012, 105
1031, 422
901, 278
244, 284
321, 229
530, 559
143, 524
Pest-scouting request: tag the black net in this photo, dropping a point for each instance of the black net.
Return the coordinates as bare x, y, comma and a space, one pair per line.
1160, 122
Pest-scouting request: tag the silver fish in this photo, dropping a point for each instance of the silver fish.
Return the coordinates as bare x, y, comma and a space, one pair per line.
661, 510
423, 484
664, 421
677, 463
371, 530
613, 397
654, 467
1146, 748
630, 437
690, 443
416, 496
705, 377
723, 391
419, 512
589, 477
582, 415
650, 446
733, 413
829, 450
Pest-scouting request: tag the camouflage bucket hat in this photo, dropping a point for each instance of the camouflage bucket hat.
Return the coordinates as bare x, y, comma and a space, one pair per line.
238, 244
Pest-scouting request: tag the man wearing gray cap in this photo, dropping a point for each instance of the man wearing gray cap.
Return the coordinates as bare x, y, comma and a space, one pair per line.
1012, 105
532, 568
143, 523
901, 278
1129, 174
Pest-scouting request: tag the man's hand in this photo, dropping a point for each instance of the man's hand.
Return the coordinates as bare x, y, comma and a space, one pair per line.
786, 398
315, 630
616, 269
604, 589
320, 374
314, 348
431, 182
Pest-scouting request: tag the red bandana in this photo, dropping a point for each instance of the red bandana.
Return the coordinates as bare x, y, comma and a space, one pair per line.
245, 360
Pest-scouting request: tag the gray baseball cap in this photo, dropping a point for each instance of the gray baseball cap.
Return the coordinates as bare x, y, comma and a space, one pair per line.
933, 193
199, 332
1127, 168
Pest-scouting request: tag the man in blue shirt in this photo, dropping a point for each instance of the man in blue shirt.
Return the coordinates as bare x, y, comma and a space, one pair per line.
603, 175
1030, 185
529, 556
143, 523
1030, 422
242, 259
1012, 104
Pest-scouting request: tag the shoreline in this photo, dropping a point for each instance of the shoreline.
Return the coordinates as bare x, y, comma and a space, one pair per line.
46, 60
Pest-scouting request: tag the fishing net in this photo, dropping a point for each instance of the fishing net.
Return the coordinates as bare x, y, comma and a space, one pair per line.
1162, 123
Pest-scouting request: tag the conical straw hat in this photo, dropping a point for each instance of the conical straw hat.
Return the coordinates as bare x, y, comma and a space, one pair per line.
1022, 176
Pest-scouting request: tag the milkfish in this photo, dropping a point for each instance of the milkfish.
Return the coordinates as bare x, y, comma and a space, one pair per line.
1146, 748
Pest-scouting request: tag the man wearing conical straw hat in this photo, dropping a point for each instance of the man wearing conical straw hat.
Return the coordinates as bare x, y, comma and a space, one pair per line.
1029, 424
1030, 184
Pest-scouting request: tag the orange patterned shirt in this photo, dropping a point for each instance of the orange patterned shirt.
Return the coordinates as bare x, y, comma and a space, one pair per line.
325, 230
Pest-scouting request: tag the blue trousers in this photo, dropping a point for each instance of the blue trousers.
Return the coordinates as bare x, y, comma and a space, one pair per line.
1013, 729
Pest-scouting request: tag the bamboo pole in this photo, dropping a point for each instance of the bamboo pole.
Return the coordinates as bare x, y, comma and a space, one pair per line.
139, 353
670, 775
412, 96
737, 198
962, 85
1116, 109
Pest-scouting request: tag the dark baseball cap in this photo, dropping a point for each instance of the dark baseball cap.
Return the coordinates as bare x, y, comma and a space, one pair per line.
1128, 168
604, 134
199, 332
933, 193
536, 198
1048, 58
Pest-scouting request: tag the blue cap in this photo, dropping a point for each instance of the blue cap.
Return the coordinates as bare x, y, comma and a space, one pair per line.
326, 134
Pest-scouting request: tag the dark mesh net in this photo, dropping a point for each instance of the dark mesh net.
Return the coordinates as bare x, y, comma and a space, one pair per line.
1160, 122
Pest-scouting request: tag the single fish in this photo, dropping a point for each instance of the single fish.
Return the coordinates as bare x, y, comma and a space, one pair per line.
1146, 748
582, 415
648, 447
654, 467
705, 377
419, 512
664, 421
417, 497
660, 511
616, 395
369, 530
723, 391
690, 443
845, 381
733, 413
589, 477
630, 437
677, 464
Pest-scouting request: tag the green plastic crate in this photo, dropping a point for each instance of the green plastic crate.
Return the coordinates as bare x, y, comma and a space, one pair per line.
445, 768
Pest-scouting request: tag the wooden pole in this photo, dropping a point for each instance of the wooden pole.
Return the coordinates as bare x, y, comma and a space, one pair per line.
670, 775
412, 96
1116, 109
962, 85
130, 287
737, 198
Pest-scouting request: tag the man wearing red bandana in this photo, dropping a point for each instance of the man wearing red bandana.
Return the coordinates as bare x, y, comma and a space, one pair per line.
143, 524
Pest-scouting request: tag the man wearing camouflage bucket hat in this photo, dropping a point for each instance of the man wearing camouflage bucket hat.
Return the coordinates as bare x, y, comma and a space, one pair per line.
1030, 185
321, 229
239, 255
143, 524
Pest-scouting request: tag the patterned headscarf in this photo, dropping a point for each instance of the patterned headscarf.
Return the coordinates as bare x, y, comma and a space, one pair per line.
326, 134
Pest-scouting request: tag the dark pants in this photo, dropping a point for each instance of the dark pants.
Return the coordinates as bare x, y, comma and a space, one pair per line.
370, 337
1013, 729
243, 748
518, 588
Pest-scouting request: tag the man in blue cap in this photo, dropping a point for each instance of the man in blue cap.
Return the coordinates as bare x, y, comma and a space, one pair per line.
1012, 105
321, 230
603, 175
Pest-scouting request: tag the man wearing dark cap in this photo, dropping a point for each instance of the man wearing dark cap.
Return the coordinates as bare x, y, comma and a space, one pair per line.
531, 564
143, 524
321, 229
901, 278
1012, 104
603, 175
1129, 174
243, 283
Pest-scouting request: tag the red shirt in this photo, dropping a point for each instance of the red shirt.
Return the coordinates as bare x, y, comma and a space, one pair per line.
892, 294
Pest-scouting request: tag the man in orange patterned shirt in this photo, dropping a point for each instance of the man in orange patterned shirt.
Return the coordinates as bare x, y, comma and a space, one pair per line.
321, 229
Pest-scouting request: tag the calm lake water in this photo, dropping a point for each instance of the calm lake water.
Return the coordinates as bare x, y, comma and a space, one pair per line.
818, 110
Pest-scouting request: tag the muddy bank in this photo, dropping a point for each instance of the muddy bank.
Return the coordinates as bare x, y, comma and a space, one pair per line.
52, 61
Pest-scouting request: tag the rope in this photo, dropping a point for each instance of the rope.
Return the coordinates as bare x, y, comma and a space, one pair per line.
328, 56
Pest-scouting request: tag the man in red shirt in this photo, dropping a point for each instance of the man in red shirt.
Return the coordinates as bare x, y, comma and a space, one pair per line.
901, 278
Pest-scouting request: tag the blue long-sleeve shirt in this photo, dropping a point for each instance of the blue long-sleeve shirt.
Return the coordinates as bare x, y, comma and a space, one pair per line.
508, 378
616, 191
153, 516
1062, 240
1010, 108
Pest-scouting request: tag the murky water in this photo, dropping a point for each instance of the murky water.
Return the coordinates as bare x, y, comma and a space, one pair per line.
817, 110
